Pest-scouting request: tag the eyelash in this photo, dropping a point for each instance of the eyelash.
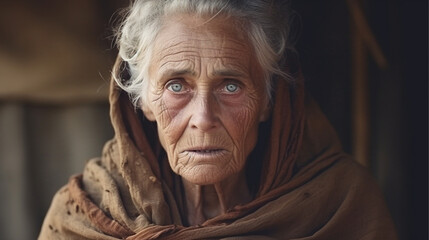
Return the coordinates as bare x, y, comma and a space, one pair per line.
171, 83
172, 86
236, 90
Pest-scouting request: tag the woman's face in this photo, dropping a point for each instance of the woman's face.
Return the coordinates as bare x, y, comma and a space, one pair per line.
207, 95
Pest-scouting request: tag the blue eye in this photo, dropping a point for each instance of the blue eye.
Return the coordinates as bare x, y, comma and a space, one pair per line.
175, 87
231, 87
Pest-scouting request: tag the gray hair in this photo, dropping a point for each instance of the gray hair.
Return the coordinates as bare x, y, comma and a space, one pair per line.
266, 23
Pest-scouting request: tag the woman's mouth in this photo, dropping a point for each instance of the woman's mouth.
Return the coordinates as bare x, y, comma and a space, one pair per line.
206, 151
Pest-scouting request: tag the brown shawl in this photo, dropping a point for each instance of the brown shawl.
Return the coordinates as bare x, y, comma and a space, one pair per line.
305, 187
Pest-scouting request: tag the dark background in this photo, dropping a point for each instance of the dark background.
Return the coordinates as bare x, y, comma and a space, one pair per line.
397, 95
49, 130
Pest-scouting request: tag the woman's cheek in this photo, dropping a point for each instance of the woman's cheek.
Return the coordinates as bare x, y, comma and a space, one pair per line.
243, 115
171, 106
245, 126
171, 120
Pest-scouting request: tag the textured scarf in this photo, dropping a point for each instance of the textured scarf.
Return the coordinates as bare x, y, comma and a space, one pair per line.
304, 185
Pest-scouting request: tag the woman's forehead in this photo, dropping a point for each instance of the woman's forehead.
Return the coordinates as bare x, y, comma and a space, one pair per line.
188, 31
193, 40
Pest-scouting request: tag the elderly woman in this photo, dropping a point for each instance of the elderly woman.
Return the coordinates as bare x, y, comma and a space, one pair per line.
214, 138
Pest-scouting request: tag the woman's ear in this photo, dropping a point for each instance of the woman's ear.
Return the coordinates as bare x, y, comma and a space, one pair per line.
148, 113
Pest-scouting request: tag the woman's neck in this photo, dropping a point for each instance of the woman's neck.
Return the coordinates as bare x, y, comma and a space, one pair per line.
208, 201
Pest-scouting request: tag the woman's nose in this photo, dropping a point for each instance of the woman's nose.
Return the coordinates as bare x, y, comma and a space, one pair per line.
204, 113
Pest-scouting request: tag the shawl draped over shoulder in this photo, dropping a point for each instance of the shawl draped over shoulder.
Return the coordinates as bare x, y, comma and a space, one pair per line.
304, 185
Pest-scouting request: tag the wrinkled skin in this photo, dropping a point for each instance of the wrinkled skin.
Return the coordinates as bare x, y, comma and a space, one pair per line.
206, 94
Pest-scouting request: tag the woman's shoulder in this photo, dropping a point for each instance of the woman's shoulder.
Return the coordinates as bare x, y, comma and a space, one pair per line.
356, 203
66, 219
75, 213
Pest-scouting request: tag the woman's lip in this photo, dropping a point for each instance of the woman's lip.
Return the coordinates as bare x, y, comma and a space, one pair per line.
205, 150
200, 156
206, 153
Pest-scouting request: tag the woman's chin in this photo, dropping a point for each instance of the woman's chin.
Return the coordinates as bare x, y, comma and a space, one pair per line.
205, 174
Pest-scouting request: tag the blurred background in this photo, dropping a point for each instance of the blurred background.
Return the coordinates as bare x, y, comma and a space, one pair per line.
365, 62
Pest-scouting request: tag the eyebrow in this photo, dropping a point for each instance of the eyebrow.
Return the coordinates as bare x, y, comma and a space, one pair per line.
179, 72
229, 72
220, 72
